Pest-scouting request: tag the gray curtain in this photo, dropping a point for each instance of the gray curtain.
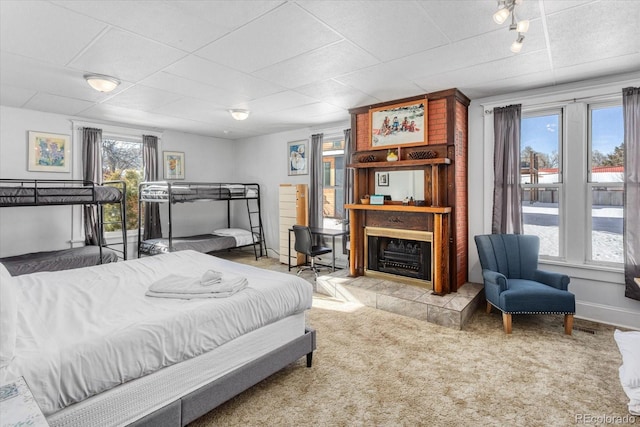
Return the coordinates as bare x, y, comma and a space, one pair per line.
316, 198
92, 171
507, 195
348, 183
348, 173
152, 224
631, 239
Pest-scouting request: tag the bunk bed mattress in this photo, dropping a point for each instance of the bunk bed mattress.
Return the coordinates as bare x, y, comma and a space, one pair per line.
82, 332
186, 193
65, 259
203, 243
10, 196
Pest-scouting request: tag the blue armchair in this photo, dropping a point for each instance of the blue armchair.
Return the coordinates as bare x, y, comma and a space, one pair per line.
514, 285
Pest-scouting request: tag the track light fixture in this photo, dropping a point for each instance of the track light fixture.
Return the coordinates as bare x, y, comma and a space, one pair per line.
507, 8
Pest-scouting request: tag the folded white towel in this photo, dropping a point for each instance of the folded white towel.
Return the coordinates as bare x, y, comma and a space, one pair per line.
210, 277
228, 284
193, 296
212, 284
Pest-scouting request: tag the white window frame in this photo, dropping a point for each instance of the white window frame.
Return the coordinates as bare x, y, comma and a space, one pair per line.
133, 233
547, 111
589, 184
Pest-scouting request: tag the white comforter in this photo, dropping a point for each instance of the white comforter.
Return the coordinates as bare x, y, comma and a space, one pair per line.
83, 331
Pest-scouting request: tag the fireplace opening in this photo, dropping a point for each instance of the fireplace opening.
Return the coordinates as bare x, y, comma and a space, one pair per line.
400, 256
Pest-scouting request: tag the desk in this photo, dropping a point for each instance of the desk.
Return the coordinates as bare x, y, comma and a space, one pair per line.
324, 232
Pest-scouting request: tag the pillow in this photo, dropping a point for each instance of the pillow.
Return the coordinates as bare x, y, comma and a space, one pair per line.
8, 316
234, 232
629, 345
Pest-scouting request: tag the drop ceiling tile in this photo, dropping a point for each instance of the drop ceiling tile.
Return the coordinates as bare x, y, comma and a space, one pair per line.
315, 66
613, 66
553, 6
594, 31
38, 29
336, 93
126, 116
281, 34
482, 49
228, 15
462, 19
210, 73
57, 104
143, 98
193, 109
487, 73
276, 102
126, 56
164, 21
12, 96
193, 89
31, 74
311, 110
513, 84
381, 83
373, 26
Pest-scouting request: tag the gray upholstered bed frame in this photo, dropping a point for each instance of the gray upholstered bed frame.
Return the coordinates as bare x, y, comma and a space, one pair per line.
197, 403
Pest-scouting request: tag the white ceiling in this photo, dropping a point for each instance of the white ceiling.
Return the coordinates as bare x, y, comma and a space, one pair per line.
294, 64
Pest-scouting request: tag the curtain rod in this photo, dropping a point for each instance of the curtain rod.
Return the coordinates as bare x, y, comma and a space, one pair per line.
116, 130
557, 103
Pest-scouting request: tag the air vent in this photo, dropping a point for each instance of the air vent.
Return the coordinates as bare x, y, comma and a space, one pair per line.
587, 330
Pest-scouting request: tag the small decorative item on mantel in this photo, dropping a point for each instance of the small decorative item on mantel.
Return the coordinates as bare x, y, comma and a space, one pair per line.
365, 199
392, 155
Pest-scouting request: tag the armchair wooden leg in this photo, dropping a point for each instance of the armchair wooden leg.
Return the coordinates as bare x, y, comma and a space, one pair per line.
506, 322
488, 307
568, 323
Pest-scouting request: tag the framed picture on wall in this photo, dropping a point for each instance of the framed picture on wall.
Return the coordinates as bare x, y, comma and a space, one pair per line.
298, 158
49, 152
173, 164
399, 124
383, 179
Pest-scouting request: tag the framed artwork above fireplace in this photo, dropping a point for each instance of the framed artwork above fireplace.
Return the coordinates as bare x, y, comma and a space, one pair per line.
403, 124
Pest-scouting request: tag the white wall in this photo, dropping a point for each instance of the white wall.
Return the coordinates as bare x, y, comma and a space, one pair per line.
206, 160
264, 160
599, 290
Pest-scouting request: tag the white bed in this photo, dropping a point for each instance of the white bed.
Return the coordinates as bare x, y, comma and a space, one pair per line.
82, 333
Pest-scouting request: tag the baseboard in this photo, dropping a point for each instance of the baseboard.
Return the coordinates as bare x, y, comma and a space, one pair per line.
607, 314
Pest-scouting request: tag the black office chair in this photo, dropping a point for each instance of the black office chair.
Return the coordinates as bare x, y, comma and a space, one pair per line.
304, 245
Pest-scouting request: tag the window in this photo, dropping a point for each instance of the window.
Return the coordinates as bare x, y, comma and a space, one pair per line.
333, 183
541, 179
606, 183
122, 161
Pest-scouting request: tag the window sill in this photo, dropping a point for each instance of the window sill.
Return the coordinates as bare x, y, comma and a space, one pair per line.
596, 272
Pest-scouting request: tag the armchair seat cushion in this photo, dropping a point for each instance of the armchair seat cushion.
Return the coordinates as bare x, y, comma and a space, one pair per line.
529, 297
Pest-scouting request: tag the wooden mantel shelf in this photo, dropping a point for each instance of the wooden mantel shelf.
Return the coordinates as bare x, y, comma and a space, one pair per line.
401, 163
401, 208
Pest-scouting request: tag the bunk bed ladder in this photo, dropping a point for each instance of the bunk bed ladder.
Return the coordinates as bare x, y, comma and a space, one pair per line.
255, 225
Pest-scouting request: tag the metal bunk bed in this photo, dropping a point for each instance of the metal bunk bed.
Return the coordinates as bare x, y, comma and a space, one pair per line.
188, 192
54, 192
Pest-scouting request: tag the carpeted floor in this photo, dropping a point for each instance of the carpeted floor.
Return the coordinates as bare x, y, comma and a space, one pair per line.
377, 368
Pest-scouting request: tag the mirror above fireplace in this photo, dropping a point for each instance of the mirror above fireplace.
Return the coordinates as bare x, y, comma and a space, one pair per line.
400, 184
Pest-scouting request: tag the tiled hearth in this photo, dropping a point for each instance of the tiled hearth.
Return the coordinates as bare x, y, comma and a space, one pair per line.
452, 310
